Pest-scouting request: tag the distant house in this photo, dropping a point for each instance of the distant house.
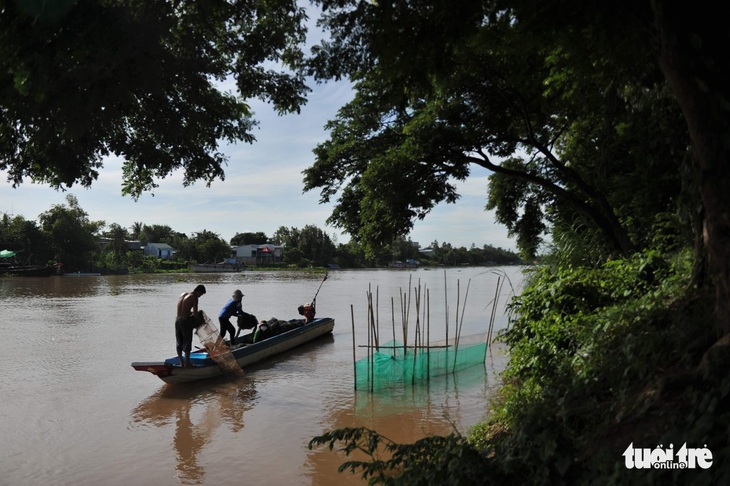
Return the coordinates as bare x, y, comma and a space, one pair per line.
245, 254
159, 250
132, 245
268, 253
257, 254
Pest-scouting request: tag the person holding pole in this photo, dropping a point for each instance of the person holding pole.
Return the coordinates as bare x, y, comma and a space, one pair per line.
309, 310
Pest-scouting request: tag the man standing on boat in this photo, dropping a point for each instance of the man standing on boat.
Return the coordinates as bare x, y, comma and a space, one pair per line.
187, 320
233, 307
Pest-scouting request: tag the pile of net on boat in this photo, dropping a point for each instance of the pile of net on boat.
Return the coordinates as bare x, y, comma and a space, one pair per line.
393, 364
274, 327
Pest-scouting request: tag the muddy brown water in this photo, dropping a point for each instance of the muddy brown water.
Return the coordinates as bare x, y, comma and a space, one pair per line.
73, 411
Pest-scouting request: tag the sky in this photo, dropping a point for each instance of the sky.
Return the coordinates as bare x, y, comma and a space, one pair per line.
262, 191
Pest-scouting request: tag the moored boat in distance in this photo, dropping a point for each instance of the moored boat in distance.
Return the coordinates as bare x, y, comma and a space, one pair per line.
29, 270
171, 371
216, 267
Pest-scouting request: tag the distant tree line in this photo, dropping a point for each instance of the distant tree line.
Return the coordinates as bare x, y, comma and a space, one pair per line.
66, 234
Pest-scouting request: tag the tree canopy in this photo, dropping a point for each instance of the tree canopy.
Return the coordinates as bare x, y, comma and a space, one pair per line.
71, 232
143, 81
250, 238
561, 123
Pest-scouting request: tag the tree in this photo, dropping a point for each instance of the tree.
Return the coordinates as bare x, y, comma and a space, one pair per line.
71, 234
284, 236
210, 247
692, 56
316, 245
80, 81
184, 246
118, 245
403, 249
156, 233
135, 231
258, 238
558, 128
309, 244
25, 238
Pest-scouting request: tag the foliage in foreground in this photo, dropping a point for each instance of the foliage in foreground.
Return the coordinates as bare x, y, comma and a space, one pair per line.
431, 460
599, 359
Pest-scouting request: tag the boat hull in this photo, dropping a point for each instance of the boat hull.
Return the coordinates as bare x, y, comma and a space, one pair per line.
29, 270
204, 367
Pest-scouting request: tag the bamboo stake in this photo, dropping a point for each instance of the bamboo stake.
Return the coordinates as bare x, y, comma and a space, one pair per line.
456, 323
461, 323
404, 317
371, 320
392, 313
416, 333
446, 308
458, 301
408, 305
428, 332
377, 314
372, 352
491, 318
371, 377
354, 356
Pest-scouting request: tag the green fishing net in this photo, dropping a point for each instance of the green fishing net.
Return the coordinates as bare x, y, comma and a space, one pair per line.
393, 364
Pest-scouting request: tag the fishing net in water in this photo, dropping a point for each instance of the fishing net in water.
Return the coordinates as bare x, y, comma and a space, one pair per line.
394, 365
218, 351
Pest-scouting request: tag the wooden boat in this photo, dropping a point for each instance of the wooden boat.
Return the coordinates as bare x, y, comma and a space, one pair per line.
204, 367
216, 267
29, 270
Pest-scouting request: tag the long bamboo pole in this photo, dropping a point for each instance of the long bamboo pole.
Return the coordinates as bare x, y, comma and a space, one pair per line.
416, 333
371, 319
428, 331
446, 309
491, 318
404, 321
354, 356
461, 323
392, 315
370, 347
372, 352
377, 315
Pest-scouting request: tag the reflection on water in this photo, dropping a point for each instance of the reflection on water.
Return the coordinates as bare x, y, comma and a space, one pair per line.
197, 411
404, 415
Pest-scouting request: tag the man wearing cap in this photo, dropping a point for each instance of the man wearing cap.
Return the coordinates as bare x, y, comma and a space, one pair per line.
187, 319
233, 307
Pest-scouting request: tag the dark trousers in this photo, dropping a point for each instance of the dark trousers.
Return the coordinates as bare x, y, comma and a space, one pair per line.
184, 334
226, 326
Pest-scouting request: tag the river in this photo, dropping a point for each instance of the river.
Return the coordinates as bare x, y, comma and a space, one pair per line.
74, 412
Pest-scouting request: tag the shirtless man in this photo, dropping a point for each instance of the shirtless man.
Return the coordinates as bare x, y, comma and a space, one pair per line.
185, 322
